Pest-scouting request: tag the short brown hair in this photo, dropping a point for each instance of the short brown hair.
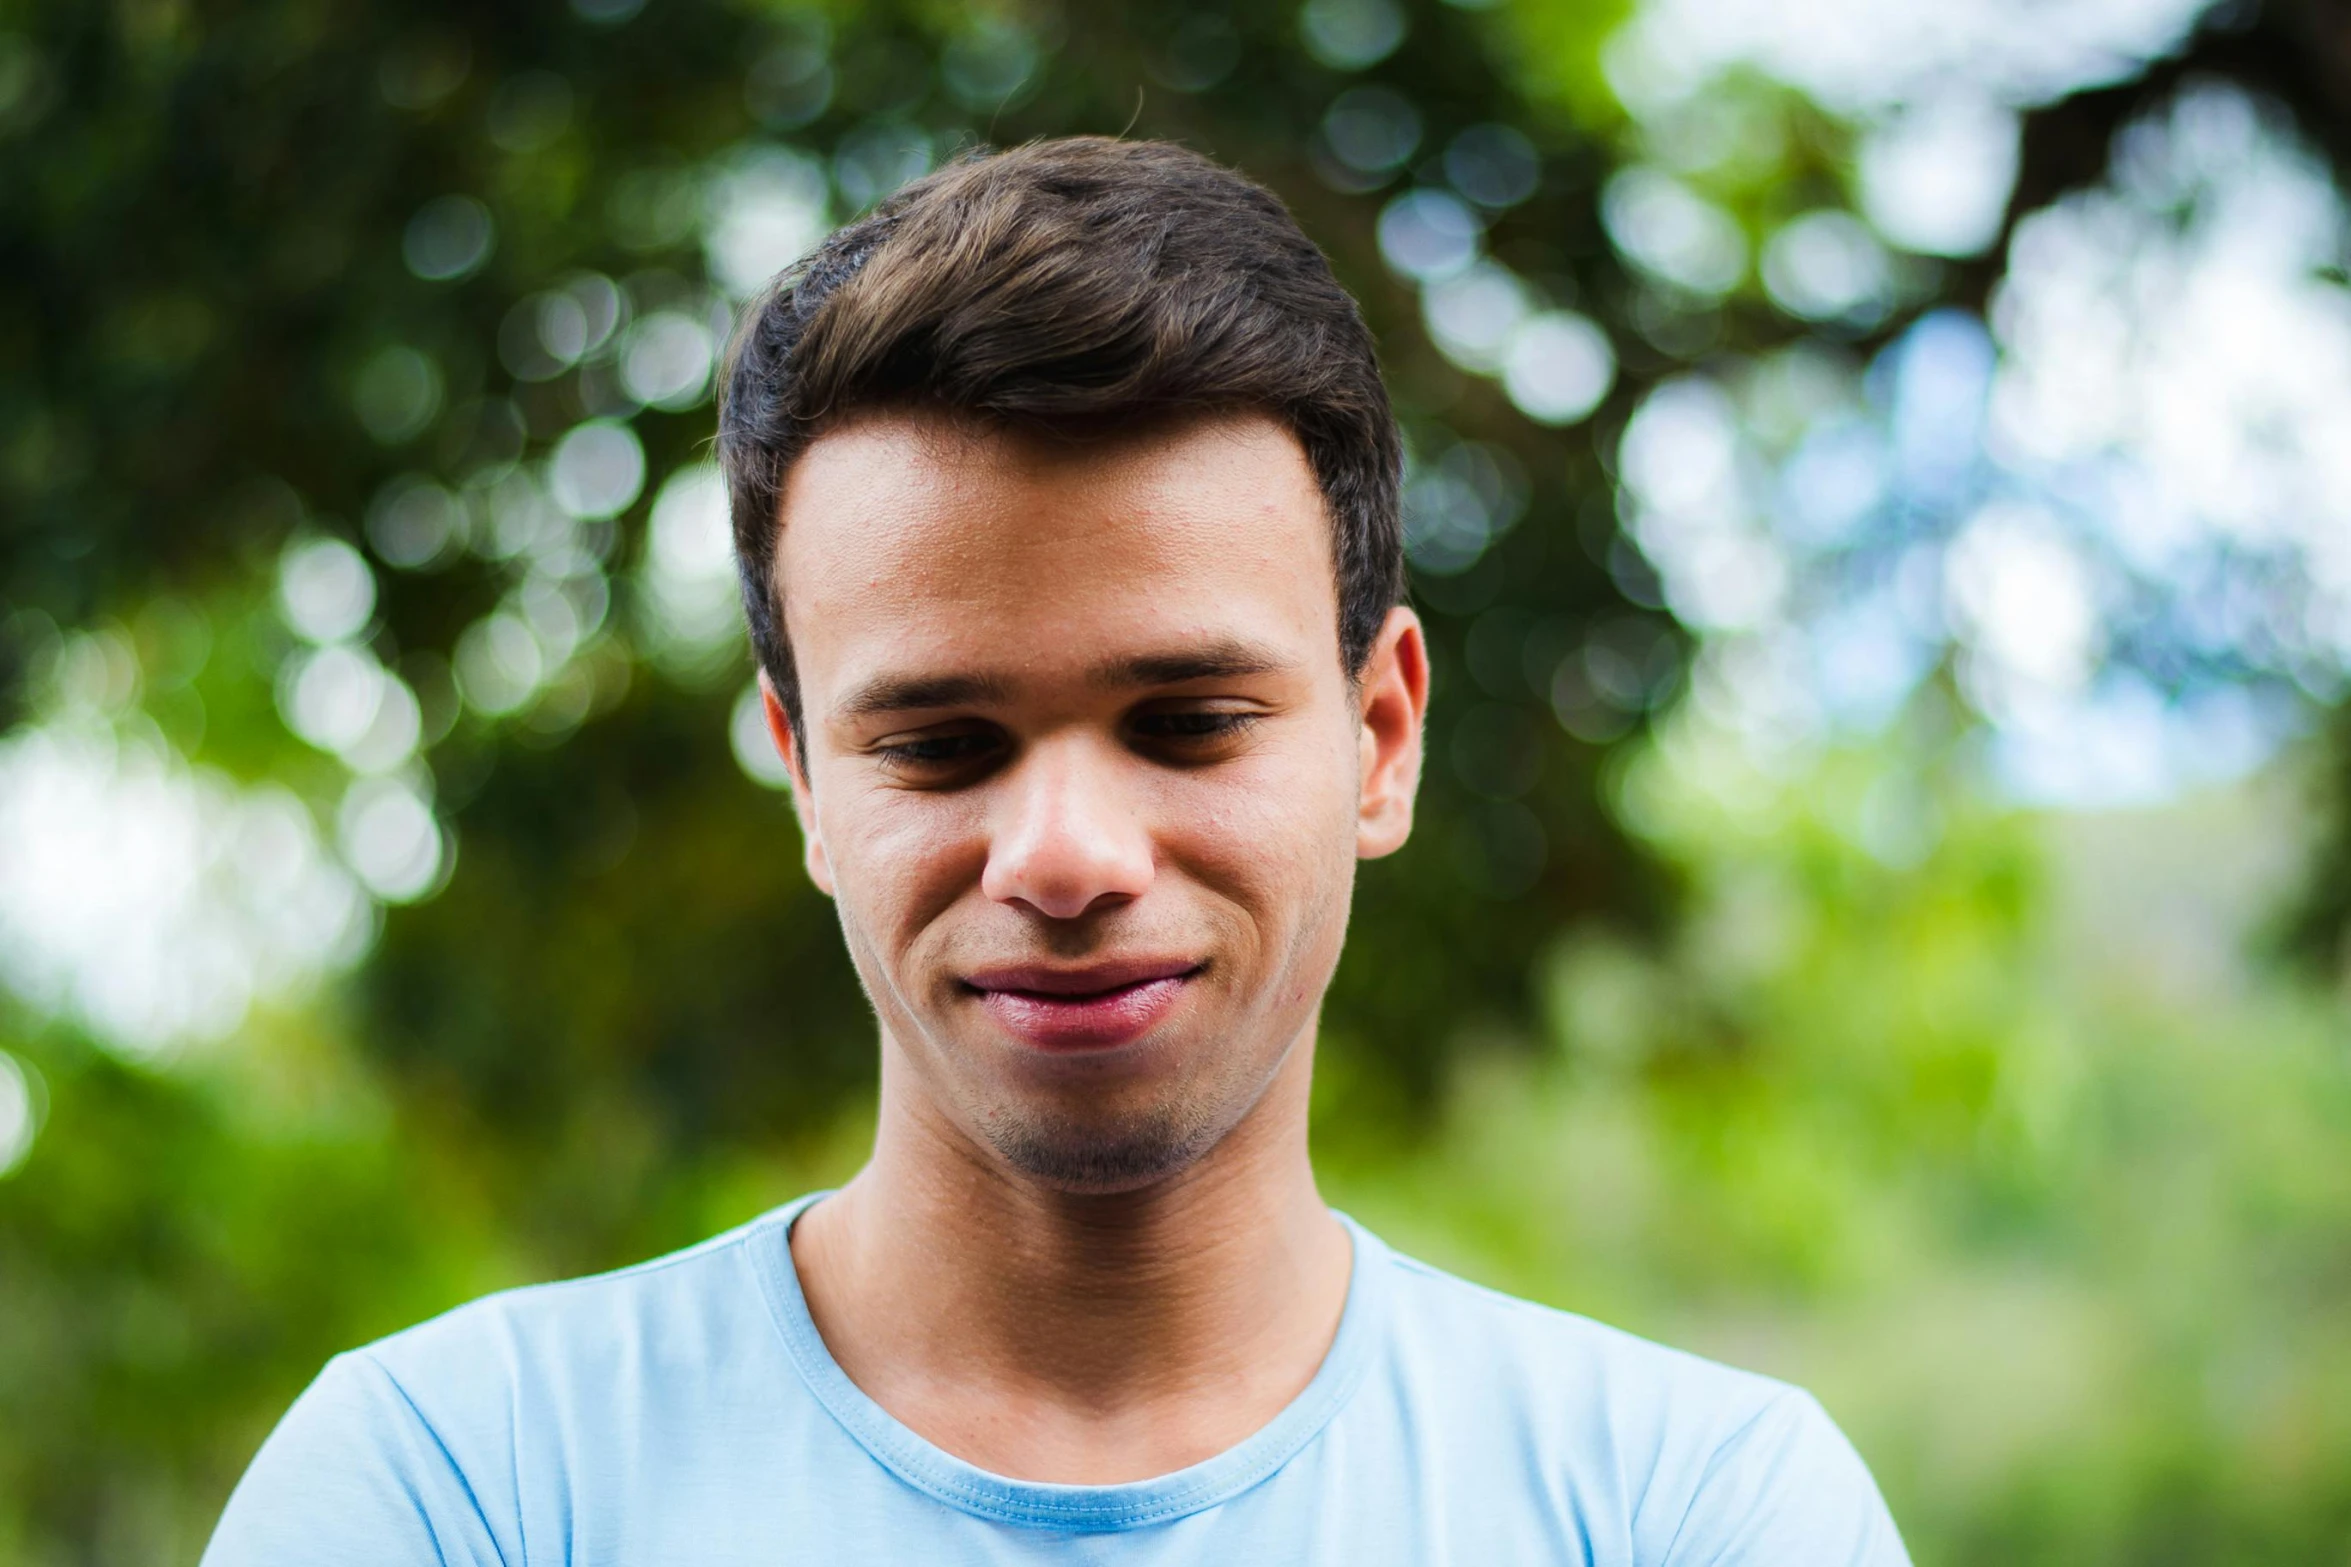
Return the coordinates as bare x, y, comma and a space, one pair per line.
1076, 286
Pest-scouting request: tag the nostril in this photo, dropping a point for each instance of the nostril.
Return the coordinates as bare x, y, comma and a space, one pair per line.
1063, 885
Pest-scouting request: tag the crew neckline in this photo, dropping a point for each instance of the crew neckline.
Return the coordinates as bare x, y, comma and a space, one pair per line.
1132, 1504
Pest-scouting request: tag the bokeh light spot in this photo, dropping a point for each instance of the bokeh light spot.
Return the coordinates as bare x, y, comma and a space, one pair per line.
497, 664
19, 1113
414, 523
792, 83
1429, 235
1559, 367
596, 470
766, 210
754, 747
387, 835
325, 591
1936, 178
397, 394
1828, 266
1372, 129
1493, 165
1472, 317
152, 902
691, 605
449, 238
1667, 230
668, 359
529, 111
986, 66
1348, 35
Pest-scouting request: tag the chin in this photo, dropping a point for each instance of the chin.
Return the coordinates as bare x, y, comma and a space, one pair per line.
1103, 1156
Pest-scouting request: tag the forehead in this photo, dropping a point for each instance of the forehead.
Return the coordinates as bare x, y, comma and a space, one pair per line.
914, 540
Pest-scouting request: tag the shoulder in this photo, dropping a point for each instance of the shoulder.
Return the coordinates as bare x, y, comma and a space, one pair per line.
438, 1434
1629, 1381
1702, 1462
685, 1306
353, 1475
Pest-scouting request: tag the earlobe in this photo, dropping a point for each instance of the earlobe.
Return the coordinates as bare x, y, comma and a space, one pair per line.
812, 855
1395, 699
779, 734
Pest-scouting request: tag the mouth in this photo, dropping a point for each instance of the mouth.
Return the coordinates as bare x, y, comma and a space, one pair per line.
1096, 1006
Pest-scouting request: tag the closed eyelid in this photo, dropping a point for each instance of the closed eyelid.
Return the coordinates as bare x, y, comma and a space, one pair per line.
1213, 707
1193, 726
904, 739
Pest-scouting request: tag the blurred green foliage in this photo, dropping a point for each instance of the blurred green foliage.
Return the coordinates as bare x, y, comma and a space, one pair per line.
1994, 1137
1813, 1072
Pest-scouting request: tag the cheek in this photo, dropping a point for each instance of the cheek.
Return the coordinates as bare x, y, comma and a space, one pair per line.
900, 858
1270, 831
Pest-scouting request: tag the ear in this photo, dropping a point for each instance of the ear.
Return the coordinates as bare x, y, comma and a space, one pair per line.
779, 730
1394, 703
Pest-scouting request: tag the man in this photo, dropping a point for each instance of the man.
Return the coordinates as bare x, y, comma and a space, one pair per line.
1065, 490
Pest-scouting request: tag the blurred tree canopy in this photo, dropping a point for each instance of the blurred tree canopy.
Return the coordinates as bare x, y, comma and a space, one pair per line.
354, 396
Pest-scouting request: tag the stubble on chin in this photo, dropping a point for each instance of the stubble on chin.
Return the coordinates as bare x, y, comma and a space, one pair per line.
1074, 1155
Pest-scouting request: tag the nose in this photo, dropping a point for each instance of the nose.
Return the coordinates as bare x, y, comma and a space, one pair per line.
1068, 837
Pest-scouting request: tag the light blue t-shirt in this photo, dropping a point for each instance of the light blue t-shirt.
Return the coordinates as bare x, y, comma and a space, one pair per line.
686, 1412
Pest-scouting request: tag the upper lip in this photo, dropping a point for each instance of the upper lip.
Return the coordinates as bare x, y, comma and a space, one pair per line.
1087, 979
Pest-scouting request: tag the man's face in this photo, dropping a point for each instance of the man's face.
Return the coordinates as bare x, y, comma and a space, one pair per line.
1083, 770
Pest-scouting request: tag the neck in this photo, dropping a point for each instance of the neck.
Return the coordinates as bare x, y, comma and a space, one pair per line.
1070, 1336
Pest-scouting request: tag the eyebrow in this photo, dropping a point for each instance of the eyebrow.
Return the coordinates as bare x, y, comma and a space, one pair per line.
906, 693
1227, 658
1223, 659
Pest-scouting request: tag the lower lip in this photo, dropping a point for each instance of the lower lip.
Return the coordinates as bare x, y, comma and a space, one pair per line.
1096, 1022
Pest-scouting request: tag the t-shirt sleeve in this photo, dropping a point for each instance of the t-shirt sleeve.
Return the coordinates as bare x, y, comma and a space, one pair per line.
1786, 1487
353, 1476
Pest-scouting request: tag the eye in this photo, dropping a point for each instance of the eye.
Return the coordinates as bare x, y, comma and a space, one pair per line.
1192, 730
934, 756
